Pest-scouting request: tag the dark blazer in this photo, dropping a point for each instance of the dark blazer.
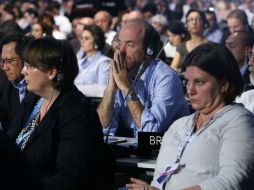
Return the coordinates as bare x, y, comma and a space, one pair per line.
9, 101
66, 147
15, 169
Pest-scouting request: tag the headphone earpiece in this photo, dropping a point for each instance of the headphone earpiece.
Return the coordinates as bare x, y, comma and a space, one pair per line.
59, 76
149, 51
151, 37
95, 46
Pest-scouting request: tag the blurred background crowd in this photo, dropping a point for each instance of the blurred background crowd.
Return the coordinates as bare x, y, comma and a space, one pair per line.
62, 18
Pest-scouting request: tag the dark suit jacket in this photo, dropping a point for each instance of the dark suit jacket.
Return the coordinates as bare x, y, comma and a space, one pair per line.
9, 101
15, 169
66, 147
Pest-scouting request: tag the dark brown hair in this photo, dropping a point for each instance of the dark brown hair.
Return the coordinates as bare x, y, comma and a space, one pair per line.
47, 53
219, 62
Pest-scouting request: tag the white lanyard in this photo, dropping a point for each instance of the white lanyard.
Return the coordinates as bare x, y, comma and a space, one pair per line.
189, 136
172, 168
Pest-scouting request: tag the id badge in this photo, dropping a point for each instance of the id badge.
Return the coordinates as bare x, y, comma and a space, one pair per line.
164, 177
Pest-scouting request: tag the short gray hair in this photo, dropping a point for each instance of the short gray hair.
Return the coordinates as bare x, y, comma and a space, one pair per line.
159, 18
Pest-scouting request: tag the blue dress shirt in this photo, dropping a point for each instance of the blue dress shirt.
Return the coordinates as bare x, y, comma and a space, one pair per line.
21, 86
93, 70
160, 91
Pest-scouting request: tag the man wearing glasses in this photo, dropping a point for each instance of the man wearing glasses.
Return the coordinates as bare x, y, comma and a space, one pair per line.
13, 88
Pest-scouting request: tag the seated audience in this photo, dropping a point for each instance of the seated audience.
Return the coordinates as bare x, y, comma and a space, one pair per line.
94, 67
213, 147
58, 130
145, 93
240, 43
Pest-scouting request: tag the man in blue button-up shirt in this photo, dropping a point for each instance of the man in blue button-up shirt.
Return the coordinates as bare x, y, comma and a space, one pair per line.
145, 92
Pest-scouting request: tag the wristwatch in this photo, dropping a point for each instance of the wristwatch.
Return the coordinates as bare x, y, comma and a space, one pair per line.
132, 96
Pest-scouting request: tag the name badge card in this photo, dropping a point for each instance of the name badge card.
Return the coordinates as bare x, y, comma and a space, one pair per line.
164, 177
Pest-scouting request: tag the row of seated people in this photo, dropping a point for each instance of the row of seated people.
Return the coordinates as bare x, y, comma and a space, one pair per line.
56, 128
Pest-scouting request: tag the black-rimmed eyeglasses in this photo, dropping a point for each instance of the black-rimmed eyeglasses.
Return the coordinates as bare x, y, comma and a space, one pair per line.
9, 62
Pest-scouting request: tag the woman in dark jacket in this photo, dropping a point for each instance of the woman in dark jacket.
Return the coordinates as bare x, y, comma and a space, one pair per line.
58, 129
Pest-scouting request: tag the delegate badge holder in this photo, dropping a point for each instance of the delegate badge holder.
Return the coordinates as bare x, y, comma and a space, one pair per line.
164, 177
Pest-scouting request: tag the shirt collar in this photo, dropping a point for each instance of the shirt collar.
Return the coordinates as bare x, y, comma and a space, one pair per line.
93, 58
243, 69
148, 70
20, 85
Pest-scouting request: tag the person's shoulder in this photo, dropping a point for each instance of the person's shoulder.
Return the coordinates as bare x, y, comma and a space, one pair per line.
236, 119
162, 70
236, 113
7, 90
161, 65
246, 99
246, 95
5, 83
182, 122
103, 58
180, 125
2, 76
181, 47
238, 108
185, 120
71, 98
111, 33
